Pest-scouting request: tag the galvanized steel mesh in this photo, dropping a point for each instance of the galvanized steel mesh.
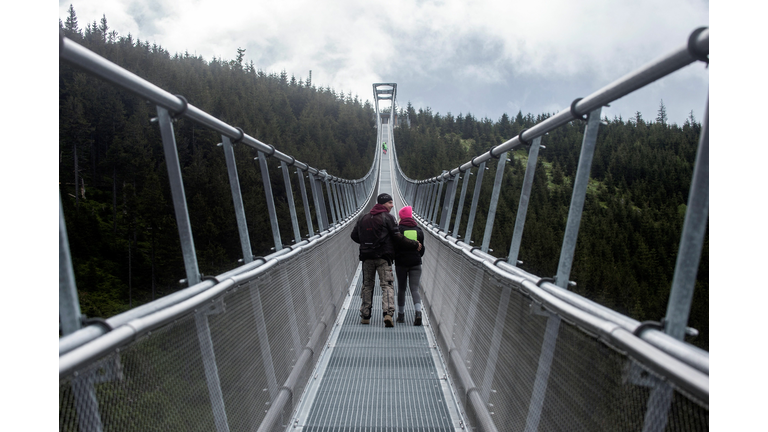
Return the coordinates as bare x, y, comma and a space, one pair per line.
498, 330
380, 379
258, 329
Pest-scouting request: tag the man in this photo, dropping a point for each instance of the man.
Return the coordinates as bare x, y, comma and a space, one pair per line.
377, 233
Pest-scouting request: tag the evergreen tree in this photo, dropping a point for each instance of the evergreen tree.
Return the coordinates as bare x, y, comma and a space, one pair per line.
661, 117
70, 24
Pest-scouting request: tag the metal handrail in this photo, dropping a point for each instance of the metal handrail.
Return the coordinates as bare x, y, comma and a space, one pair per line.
93, 63
665, 352
697, 47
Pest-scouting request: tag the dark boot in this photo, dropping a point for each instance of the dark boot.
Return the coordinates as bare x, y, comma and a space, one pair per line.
400, 318
417, 321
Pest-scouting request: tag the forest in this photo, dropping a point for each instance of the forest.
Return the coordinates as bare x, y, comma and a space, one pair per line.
115, 195
113, 181
633, 216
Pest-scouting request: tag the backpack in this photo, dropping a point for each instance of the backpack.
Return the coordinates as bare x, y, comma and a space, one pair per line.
371, 232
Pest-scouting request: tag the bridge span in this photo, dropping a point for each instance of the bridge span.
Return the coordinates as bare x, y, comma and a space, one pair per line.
276, 344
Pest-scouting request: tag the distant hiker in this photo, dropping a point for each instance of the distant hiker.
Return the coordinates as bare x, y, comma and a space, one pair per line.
376, 233
384, 146
408, 265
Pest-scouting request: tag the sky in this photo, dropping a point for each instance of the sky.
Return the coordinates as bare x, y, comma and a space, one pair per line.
484, 57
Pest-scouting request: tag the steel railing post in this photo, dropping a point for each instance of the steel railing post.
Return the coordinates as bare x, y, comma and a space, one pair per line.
237, 199
450, 198
353, 204
179, 198
691, 240
425, 188
270, 200
344, 198
307, 214
86, 403
337, 204
564, 268
434, 201
291, 203
522, 207
496, 337
329, 191
351, 198
460, 208
473, 207
684, 279
343, 203
408, 189
69, 303
417, 200
211, 370
190, 263
500, 168
577, 199
331, 200
436, 210
326, 218
317, 197
359, 191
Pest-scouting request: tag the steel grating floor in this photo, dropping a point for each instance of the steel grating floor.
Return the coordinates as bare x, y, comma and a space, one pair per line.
373, 378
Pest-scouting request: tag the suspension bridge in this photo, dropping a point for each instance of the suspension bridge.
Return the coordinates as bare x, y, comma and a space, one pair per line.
277, 344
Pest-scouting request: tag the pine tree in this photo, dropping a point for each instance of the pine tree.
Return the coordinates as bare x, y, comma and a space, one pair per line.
70, 25
661, 117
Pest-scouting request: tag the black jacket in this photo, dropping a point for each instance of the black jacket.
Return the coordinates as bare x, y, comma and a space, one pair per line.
377, 235
409, 258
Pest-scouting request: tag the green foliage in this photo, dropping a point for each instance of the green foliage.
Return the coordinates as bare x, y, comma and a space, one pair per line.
113, 180
633, 215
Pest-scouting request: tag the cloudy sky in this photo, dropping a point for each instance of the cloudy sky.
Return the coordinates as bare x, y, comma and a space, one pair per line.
485, 57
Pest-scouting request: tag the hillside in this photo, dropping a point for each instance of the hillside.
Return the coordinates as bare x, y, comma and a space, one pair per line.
113, 181
633, 216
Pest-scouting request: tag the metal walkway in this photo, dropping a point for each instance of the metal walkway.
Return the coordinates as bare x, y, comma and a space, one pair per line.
373, 378
235, 351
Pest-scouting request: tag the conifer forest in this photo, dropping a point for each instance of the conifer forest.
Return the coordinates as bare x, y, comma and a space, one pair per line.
116, 198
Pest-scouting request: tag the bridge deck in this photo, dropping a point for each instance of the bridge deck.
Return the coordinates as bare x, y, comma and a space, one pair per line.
377, 378
373, 378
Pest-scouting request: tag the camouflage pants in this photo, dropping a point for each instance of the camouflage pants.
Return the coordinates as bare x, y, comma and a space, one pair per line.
370, 268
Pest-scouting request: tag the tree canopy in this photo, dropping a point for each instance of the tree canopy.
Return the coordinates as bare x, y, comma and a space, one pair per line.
633, 216
113, 180
123, 237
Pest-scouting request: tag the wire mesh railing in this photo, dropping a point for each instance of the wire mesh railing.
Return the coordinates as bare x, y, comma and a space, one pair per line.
233, 351
179, 363
584, 366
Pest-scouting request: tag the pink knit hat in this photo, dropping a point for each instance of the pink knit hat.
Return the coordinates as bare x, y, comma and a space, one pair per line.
406, 212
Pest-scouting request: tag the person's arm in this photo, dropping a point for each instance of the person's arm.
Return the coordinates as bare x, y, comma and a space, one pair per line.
398, 238
354, 236
421, 240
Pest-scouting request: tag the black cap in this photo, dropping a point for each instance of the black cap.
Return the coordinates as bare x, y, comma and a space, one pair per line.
384, 198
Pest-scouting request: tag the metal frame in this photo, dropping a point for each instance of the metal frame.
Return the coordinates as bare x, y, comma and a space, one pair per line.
689, 252
427, 195
170, 107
